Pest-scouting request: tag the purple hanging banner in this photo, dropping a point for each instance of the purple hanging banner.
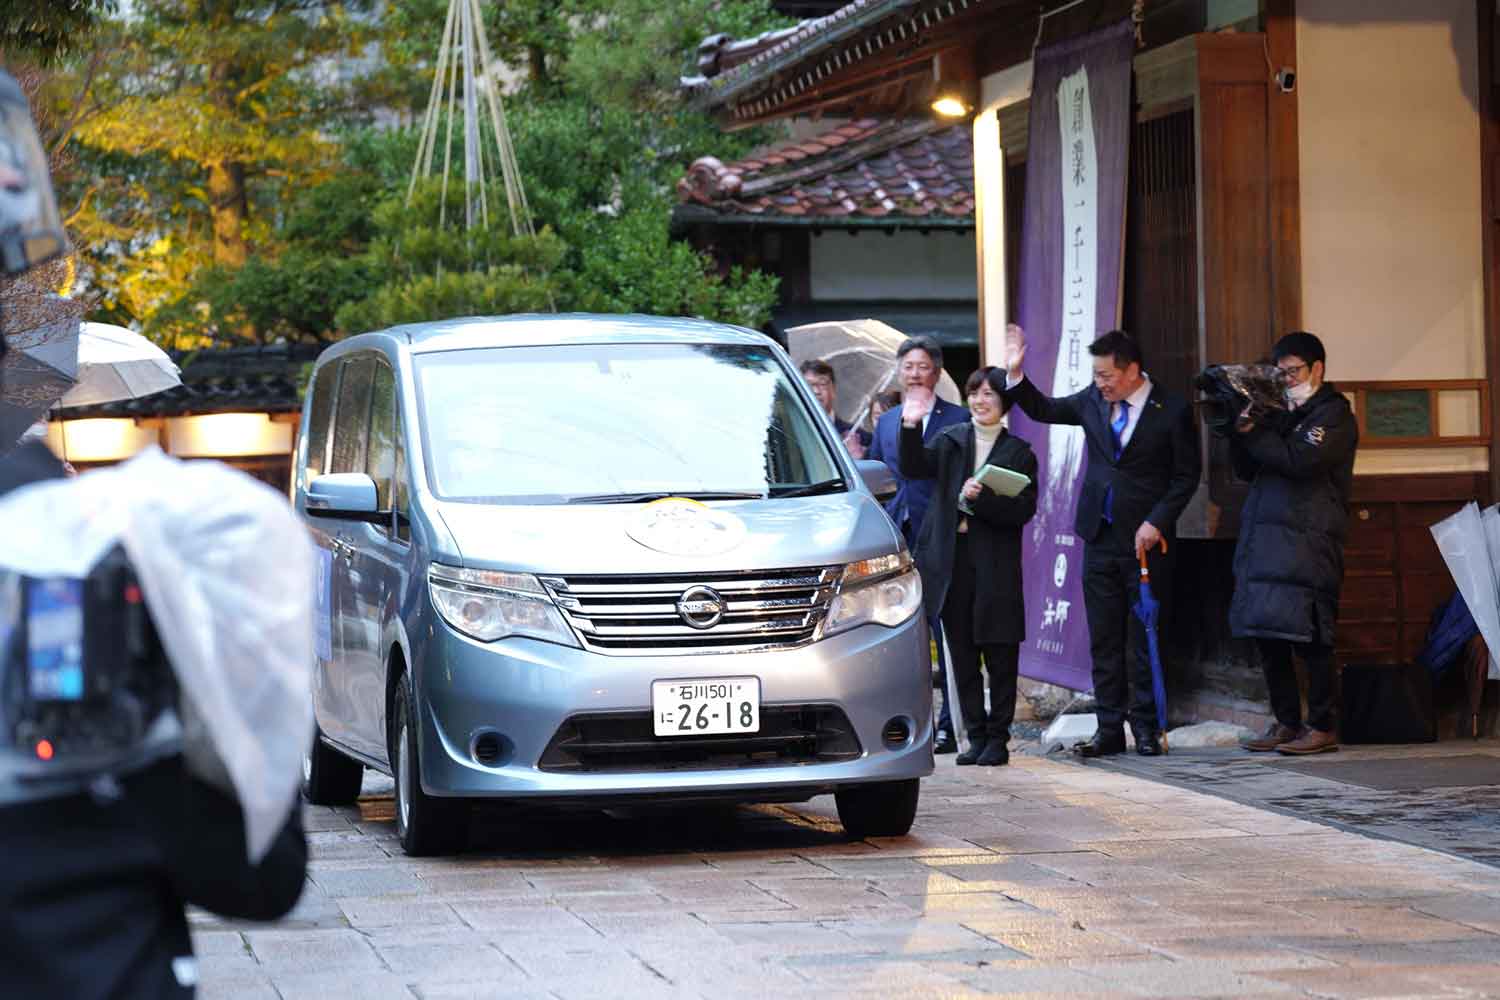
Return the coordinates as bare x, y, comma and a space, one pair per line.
1072, 256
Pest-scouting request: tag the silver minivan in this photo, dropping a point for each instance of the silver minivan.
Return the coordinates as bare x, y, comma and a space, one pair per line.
601, 561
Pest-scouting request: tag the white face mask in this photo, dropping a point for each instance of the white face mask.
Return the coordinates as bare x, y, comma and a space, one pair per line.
1296, 395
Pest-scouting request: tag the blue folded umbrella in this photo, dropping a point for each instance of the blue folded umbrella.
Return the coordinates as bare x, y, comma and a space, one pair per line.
1148, 609
1450, 631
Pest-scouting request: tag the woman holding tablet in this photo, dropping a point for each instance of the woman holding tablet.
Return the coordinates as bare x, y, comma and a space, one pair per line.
969, 551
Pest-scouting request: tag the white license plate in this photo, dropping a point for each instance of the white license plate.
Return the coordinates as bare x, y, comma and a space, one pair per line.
706, 706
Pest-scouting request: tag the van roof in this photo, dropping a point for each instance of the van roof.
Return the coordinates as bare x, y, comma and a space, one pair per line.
569, 328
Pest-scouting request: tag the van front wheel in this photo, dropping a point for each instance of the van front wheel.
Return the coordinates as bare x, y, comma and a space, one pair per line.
425, 825
881, 809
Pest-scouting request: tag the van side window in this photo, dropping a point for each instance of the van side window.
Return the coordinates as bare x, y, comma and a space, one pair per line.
351, 422
380, 463
324, 388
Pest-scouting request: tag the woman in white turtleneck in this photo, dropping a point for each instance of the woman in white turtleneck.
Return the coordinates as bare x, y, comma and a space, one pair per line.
970, 557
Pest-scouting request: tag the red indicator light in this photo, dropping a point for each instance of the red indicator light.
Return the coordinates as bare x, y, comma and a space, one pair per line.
132, 594
44, 749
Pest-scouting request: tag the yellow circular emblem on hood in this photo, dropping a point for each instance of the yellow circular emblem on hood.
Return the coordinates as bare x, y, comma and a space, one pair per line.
682, 527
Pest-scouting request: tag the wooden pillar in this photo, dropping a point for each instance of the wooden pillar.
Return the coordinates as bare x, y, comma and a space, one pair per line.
989, 236
1489, 151
997, 92
1286, 196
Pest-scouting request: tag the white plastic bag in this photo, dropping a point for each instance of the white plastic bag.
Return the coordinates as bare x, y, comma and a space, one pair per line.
226, 569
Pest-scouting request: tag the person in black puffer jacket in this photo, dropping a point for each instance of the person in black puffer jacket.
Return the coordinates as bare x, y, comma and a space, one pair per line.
1289, 561
94, 883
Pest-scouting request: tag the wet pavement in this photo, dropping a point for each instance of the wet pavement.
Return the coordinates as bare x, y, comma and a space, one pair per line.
1460, 820
1045, 878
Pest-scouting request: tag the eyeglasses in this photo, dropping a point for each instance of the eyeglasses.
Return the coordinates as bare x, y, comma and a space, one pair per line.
1292, 371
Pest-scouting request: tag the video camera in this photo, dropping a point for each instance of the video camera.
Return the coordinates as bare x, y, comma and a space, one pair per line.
1241, 395
85, 687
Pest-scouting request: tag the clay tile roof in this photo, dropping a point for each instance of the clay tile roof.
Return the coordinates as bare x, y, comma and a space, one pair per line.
872, 168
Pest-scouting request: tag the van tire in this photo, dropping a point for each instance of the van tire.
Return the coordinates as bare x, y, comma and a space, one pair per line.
426, 825
328, 777
881, 809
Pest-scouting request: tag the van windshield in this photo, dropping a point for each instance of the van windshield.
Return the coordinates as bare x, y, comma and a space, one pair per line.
584, 423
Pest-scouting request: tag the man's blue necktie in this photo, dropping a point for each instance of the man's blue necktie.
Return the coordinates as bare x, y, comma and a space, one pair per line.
1117, 431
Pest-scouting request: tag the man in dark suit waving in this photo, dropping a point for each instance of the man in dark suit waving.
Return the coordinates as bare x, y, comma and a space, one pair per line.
919, 365
1143, 466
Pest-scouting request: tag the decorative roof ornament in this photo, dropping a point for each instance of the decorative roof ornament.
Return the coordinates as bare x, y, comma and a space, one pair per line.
465, 52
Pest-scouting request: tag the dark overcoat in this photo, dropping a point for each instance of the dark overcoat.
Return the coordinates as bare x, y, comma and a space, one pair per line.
913, 495
994, 530
1289, 561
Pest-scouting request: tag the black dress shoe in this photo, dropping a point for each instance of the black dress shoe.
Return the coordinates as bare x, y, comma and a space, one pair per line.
1148, 744
1101, 746
971, 755
996, 754
945, 743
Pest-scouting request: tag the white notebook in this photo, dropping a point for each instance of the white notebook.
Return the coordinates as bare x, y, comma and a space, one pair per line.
1004, 482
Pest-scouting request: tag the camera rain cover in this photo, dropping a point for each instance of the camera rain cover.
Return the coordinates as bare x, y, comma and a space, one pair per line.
226, 569
1247, 392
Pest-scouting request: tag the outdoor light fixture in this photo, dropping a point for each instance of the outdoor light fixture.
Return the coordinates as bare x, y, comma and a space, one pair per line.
30, 231
956, 88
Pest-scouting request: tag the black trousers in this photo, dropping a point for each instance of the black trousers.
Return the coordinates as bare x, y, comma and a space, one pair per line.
1117, 639
935, 629
1001, 659
1281, 679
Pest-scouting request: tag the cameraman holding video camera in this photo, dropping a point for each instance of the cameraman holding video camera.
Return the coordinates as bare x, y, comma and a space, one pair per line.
117, 809
1289, 561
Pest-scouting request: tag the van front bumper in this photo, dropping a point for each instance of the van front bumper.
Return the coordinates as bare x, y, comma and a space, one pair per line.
505, 702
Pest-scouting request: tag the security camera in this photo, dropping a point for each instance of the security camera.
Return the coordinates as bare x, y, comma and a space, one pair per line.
1286, 79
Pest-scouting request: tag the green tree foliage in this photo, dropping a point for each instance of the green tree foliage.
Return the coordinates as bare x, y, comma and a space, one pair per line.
227, 201
43, 30
205, 116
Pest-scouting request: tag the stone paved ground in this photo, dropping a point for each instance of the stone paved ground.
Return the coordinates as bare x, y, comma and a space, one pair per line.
1040, 879
1464, 821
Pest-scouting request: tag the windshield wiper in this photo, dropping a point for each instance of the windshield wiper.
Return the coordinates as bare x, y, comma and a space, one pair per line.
834, 485
648, 497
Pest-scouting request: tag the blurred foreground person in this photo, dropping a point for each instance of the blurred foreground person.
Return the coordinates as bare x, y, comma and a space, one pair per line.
117, 806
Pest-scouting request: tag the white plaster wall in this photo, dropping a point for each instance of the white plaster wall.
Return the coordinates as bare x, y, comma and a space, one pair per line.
904, 266
1388, 139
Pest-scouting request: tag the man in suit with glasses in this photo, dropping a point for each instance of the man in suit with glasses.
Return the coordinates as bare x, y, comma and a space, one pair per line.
1143, 466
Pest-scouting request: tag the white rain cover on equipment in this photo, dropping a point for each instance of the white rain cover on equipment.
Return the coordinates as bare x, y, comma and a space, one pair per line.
1490, 517
226, 569
862, 353
1464, 540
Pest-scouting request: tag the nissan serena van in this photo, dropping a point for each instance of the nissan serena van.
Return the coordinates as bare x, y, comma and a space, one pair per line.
601, 561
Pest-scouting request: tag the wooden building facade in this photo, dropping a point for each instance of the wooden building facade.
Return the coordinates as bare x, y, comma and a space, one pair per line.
1327, 165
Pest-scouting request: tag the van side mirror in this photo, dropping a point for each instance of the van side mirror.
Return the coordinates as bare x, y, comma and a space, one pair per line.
878, 477
346, 495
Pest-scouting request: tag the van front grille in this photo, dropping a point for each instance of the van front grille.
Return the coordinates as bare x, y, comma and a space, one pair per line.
697, 613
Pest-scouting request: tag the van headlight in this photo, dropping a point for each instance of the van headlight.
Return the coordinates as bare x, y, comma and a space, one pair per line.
883, 591
491, 605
